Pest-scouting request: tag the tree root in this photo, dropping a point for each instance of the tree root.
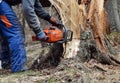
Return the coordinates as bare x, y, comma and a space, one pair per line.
90, 51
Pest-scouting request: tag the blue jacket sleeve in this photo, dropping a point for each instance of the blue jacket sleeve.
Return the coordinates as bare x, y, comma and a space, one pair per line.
40, 11
32, 9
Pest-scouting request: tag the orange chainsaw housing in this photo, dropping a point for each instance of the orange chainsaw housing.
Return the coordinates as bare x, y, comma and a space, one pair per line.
54, 34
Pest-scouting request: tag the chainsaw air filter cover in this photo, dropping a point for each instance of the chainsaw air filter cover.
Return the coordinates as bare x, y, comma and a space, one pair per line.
54, 34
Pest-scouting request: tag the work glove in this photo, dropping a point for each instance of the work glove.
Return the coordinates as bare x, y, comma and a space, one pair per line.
40, 35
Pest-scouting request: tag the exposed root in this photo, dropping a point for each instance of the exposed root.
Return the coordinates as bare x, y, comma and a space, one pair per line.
91, 51
114, 59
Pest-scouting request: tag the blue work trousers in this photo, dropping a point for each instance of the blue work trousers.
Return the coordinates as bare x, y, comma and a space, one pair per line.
13, 47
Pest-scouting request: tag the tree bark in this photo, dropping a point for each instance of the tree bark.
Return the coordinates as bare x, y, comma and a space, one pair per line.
116, 14
112, 7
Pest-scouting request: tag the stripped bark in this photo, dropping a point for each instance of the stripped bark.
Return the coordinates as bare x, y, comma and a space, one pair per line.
75, 15
92, 11
98, 20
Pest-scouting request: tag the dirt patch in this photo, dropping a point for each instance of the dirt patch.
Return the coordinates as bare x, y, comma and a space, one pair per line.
68, 71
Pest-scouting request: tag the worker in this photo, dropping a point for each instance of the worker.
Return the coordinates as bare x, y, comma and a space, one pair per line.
13, 53
13, 39
33, 9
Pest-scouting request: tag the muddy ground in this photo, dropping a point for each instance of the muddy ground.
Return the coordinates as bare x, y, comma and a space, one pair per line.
68, 70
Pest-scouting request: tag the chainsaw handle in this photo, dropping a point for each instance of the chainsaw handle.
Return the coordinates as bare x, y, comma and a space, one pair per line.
68, 34
65, 34
59, 25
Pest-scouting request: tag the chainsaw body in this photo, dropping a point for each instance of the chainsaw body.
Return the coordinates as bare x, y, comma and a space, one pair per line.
57, 34
54, 34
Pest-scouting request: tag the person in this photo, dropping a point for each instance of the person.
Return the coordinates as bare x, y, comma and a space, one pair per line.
13, 53
13, 39
33, 9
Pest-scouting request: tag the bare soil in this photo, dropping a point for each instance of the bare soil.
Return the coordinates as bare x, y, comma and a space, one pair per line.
68, 71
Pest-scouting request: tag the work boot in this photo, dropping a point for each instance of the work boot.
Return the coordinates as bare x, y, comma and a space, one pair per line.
5, 71
6, 65
24, 68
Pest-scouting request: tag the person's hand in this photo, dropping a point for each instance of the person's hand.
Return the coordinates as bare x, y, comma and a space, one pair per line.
41, 36
53, 21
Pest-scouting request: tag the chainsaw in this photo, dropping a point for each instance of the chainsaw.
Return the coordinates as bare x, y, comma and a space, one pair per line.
55, 34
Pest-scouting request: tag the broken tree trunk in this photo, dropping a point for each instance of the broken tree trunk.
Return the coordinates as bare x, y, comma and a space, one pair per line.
73, 15
98, 46
98, 21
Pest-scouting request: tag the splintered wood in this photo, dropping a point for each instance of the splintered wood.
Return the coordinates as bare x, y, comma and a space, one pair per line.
75, 14
98, 20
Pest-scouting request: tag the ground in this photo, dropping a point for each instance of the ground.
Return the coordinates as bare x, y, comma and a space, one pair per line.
68, 71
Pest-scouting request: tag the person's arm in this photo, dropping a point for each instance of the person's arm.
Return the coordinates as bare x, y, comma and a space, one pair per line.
31, 17
29, 10
30, 14
40, 11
